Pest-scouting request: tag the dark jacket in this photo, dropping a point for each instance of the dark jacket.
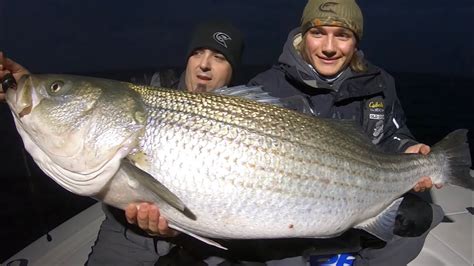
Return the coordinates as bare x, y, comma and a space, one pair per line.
369, 98
167, 78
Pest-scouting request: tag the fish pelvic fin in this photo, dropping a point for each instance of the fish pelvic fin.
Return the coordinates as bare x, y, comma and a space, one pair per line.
156, 187
456, 149
383, 224
198, 237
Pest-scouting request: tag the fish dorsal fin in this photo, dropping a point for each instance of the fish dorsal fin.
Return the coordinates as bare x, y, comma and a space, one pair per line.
382, 225
203, 239
154, 185
255, 93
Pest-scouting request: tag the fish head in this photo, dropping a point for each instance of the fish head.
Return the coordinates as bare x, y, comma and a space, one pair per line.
77, 129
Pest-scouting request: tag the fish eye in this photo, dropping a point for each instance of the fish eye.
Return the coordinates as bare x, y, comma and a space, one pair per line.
56, 86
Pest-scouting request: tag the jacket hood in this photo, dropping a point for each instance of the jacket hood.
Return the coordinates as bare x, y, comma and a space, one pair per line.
291, 60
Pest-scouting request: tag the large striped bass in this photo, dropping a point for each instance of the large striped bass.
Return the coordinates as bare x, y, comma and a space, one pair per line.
220, 166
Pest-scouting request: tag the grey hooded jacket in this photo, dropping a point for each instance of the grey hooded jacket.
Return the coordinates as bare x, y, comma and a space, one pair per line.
369, 98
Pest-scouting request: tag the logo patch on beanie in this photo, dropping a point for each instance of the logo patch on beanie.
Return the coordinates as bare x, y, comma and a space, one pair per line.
221, 38
326, 7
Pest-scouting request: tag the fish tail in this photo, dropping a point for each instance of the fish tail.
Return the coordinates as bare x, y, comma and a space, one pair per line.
458, 159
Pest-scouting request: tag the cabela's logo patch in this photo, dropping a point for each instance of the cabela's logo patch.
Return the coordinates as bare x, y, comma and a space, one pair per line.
375, 104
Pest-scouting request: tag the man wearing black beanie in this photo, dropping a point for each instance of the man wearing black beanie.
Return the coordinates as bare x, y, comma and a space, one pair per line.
212, 60
214, 39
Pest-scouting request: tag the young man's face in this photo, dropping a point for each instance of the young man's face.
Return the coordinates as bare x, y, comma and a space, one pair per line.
207, 70
329, 49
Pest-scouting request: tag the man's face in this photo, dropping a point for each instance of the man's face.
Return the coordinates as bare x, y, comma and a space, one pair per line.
329, 49
207, 70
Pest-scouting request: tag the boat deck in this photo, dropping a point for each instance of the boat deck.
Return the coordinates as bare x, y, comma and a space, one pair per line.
450, 243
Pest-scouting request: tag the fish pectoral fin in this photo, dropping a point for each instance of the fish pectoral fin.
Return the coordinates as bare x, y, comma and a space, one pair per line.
201, 238
382, 225
156, 187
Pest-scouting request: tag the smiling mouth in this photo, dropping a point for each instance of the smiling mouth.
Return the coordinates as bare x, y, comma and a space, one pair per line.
332, 59
329, 61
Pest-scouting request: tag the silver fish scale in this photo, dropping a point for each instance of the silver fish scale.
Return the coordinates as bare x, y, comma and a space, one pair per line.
248, 170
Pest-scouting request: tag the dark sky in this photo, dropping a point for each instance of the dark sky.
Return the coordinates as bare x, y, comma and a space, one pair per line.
431, 36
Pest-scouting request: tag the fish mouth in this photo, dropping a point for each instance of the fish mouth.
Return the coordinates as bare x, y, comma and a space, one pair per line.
19, 96
22, 80
8, 82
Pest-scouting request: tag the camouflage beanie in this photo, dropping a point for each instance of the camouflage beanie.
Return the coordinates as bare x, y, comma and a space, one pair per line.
342, 13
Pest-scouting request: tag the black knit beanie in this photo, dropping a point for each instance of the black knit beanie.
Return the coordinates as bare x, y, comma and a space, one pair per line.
220, 36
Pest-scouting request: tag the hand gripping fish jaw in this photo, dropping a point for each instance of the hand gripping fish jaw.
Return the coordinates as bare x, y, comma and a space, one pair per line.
8, 82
